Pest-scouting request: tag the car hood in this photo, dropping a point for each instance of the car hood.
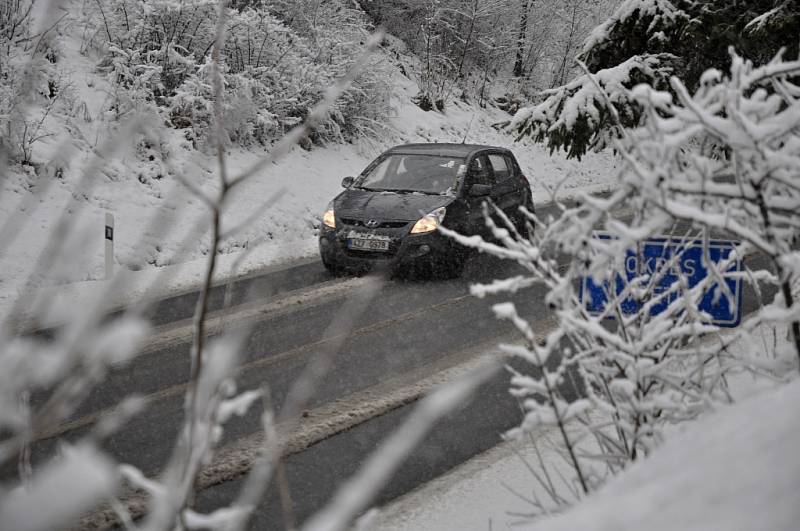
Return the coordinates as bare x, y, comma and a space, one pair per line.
366, 204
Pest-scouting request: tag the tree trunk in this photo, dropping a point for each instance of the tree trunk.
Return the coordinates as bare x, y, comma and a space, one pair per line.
468, 38
523, 32
560, 75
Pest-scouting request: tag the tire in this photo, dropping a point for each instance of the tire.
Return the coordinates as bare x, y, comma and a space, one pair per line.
521, 223
333, 269
453, 267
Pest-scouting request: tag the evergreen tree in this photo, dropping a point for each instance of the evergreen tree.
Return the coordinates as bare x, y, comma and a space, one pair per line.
678, 37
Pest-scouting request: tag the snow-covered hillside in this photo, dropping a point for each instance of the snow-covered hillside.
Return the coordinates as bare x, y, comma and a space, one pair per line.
160, 225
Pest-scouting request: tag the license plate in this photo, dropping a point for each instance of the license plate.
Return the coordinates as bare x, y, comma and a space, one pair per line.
360, 244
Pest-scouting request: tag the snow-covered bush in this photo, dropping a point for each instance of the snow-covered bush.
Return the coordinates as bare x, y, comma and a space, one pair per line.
147, 48
277, 59
451, 40
310, 44
246, 108
270, 82
30, 85
723, 162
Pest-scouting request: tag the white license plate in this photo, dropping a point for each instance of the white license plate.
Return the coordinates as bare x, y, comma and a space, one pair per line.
360, 244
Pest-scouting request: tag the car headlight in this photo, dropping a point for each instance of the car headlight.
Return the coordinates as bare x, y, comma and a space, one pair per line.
328, 218
429, 222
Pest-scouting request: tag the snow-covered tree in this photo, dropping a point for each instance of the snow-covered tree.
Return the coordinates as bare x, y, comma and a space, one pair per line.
592, 109
30, 85
680, 37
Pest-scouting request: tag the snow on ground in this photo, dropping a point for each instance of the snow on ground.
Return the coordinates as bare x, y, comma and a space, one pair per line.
739, 469
736, 468
487, 493
161, 229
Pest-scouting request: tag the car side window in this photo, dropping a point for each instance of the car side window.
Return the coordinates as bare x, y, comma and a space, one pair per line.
502, 171
513, 167
480, 172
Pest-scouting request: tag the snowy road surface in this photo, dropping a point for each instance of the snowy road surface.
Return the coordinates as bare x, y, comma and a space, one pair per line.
409, 330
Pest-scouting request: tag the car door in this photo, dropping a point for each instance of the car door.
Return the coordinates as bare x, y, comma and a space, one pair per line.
478, 172
507, 192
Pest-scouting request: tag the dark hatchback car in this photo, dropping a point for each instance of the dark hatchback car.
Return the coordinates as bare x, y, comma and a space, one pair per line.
391, 212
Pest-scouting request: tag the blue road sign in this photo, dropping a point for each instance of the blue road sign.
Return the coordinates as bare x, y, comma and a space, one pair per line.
654, 255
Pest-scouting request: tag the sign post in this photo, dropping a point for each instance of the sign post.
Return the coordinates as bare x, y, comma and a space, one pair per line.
109, 245
672, 259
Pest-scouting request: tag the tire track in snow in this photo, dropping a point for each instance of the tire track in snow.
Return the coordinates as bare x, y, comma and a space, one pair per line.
236, 459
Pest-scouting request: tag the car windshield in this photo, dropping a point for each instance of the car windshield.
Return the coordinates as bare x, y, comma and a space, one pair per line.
428, 174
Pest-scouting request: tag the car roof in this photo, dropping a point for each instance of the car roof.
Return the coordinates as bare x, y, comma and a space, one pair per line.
444, 149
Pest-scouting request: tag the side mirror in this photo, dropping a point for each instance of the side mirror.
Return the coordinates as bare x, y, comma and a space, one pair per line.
347, 182
480, 190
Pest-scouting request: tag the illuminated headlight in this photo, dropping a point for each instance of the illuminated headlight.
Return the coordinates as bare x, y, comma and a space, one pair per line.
430, 222
328, 218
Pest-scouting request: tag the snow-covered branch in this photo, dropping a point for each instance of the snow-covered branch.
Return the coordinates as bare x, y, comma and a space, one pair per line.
721, 162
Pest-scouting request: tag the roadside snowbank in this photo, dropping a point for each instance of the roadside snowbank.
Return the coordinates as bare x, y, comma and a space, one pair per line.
738, 469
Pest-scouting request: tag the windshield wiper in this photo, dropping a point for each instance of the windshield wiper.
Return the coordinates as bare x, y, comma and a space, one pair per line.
407, 191
397, 190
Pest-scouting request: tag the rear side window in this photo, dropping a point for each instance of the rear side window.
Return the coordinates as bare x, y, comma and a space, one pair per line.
480, 172
501, 167
513, 167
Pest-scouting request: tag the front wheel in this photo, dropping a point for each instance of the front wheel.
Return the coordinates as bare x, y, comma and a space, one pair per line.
521, 222
524, 226
333, 269
453, 266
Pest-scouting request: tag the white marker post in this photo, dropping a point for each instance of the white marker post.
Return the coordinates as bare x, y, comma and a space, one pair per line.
109, 245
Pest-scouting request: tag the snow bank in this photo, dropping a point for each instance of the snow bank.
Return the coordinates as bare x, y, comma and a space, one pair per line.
737, 469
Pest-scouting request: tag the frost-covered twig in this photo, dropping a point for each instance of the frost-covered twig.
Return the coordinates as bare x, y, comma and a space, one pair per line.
719, 163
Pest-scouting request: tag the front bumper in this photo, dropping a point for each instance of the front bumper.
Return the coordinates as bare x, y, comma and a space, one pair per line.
405, 249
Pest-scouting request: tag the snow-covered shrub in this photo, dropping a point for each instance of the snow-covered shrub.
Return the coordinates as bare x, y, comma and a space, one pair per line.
276, 65
147, 48
363, 110
246, 108
302, 46
23, 124
30, 84
453, 44
269, 81
723, 162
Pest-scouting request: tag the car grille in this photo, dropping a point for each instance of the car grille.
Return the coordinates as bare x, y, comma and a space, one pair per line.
383, 224
372, 255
